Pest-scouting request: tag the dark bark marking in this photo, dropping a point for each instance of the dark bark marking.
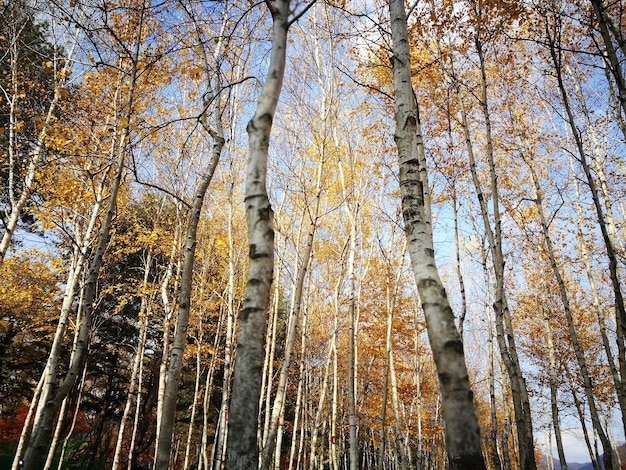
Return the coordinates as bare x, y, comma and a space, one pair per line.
445, 378
454, 345
254, 254
246, 312
426, 283
410, 121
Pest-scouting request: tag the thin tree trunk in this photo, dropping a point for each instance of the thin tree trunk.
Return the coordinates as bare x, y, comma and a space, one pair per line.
462, 432
168, 312
194, 404
207, 458
300, 390
36, 152
139, 355
609, 54
172, 381
582, 363
555, 54
317, 421
351, 209
506, 337
133, 437
221, 431
293, 325
70, 431
390, 297
62, 411
620, 384
556, 421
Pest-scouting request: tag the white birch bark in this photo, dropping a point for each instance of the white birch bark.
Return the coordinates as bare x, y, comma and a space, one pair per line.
242, 449
463, 442
174, 370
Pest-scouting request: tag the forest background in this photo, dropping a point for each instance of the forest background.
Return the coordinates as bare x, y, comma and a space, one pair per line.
125, 253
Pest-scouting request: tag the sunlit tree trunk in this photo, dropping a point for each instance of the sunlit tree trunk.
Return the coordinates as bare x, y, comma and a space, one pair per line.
463, 442
242, 449
319, 411
300, 392
554, 405
620, 384
552, 34
582, 363
293, 326
222, 426
168, 312
506, 337
72, 426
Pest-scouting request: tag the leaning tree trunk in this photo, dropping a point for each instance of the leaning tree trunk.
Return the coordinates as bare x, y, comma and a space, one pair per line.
175, 367
610, 56
461, 430
504, 328
620, 312
580, 358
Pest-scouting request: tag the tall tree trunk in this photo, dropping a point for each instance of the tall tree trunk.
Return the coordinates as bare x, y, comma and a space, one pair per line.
221, 431
610, 56
506, 336
463, 442
553, 36
174, 371
582, 363
133, 390
300, 391
554, 405
242, 448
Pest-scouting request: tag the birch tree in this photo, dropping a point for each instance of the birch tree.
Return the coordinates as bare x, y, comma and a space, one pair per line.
242, 449
463, 443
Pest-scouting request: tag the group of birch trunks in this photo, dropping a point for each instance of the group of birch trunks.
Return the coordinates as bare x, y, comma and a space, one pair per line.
311, 234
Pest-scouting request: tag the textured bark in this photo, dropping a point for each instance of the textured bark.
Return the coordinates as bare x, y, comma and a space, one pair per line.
504, 327
242, 449
462, 432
